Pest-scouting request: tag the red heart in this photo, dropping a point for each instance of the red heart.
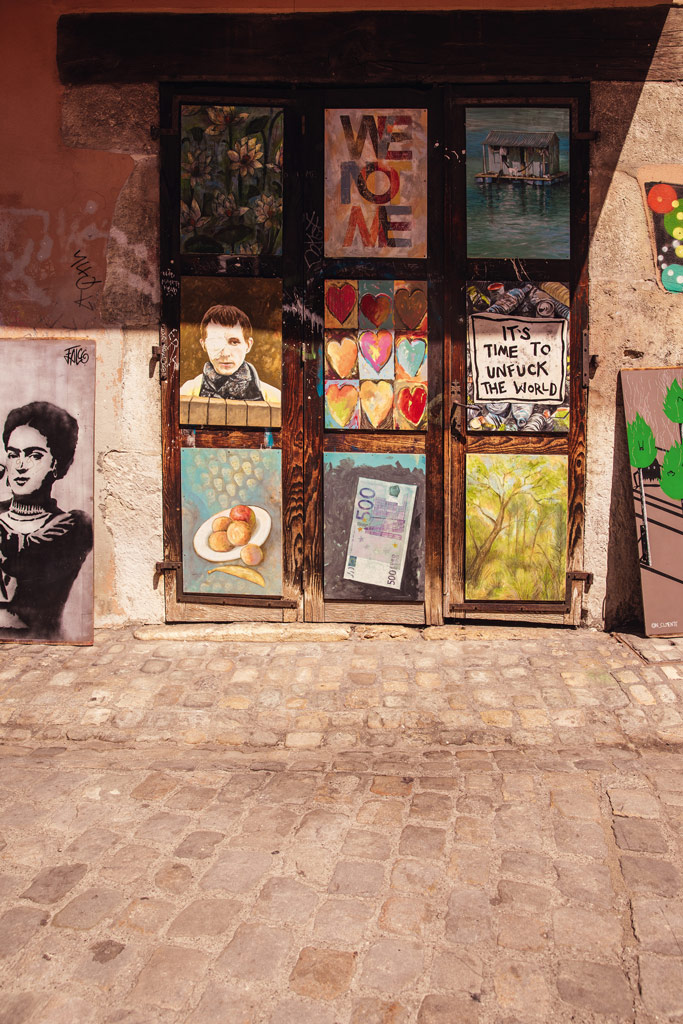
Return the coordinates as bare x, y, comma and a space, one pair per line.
411, 403
375, 307
340, 300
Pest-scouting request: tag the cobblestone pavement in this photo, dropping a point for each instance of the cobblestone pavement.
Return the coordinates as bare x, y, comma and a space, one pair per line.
498, 843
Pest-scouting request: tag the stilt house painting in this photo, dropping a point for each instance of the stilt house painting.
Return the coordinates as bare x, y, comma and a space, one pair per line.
515, 155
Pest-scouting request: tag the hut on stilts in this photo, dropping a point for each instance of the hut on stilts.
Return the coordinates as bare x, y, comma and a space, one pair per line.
521, 156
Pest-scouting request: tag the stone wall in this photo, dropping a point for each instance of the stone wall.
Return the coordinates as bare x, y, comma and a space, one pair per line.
91, 187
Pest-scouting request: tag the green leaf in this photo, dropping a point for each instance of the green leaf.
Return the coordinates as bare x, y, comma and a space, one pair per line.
673, 403
671, 480
234, 233
256, 124
202, 243
642, 449
197, 133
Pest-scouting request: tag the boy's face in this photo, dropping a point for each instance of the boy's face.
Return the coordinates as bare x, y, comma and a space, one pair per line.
226, 347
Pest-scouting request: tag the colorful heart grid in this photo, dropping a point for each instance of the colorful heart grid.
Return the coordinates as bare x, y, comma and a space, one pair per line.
411, 403
411, 307
341, 401
376, 347
377, 399
340, 300
376, 308
410, 354
342, 355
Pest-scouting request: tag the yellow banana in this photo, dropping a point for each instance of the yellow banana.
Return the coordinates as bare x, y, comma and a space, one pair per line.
243, 572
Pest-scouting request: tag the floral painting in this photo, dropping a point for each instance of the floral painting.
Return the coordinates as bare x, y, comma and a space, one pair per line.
231, 180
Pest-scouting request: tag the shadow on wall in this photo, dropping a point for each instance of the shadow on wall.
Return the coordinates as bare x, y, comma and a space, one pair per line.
623, 601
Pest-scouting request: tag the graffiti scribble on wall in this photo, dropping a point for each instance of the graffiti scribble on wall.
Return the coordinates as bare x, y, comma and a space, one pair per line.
231, 180
662, 189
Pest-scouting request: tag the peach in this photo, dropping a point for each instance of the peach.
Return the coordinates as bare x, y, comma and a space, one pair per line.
238, 534
243, 514
251, 554
218, 541
220, 524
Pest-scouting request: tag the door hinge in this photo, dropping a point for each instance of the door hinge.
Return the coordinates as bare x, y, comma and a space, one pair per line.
157, 353
161, 567
585, 359
156, 132
581, 577
591, 136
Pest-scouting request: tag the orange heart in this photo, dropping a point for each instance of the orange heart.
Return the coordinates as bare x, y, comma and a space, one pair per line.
342, 356
377, 399
341, 401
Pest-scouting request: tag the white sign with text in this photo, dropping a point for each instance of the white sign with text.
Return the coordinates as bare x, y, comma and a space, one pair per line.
518, 359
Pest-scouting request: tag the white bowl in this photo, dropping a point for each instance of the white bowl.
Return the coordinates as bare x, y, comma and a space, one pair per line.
259, 536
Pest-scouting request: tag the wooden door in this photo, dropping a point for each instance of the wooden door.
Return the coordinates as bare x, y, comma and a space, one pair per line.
382, 471
373, 374
517, 363
231, 368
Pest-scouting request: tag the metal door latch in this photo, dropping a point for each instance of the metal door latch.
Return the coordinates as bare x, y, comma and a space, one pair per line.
161, 567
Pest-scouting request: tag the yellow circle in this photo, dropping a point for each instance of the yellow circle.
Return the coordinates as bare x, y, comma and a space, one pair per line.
679, 216
679, 250
676, 203
677, 232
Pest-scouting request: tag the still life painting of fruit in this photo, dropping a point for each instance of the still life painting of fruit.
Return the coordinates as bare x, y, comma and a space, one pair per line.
231, 548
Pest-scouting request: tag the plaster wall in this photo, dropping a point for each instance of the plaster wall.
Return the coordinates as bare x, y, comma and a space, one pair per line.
82, 184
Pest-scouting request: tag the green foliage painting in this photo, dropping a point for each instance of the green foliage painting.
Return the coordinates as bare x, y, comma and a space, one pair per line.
516, 542
231, 180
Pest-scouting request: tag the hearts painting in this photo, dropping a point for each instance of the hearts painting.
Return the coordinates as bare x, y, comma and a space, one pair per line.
376, 355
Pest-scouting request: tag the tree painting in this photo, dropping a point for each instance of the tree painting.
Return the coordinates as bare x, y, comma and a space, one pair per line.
642, 452
231, 180
516, 538
673, 404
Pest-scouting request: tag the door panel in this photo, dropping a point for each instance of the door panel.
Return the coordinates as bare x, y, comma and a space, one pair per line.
409, 365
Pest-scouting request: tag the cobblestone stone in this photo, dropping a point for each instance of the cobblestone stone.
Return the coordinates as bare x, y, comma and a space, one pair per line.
455, 869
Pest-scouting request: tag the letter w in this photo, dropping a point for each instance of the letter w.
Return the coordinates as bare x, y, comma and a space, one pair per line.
356, 144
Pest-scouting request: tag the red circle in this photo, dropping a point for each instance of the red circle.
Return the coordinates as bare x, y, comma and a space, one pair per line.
660, 198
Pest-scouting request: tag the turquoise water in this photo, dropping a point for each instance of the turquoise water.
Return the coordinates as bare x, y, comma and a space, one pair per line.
516, 219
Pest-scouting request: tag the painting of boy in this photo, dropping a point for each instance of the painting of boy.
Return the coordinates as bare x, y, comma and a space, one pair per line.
226, 337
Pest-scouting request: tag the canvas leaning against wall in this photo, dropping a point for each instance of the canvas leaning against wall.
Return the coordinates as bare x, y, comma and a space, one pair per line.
653, 408
518, 356
232, 521
662, 190
516, 541
517, 182
230, 351
374, 540
47, 410
231, 162
376, 183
